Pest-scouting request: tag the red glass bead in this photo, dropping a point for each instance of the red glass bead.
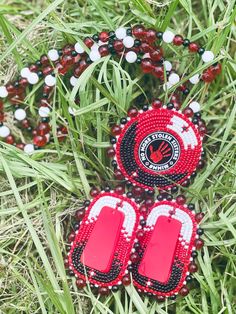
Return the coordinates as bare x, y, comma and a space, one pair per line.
143, 209
134, 257
120, 189
23, 82
88, 42
156, 104
20, 146
160, 298
202, 130
33, 68
1, 104
137, 191
47, 70
10, 88
182, 88
110, 152
146, 65
139, 234
43, 128
67, 60
201, 122
180, 199
149, 202
34, 132
44, 60
188, 112
118, 45
115, 130
126, 280
25, 123
146, 48
94, 192
1, 116
208, 76
158, 72
68, 49
193, 268
178, 40
132, 112
80, 283
40, 141
118, 175
216, 70
66, 263
199, 243
10, 139
174, 98
201, 164
62, 70
80, 214
199, 217
150, 35
184, 291
71, 237
103, 50
139, 31
156, 55
103, 291
193, 47
104, 36
176, 105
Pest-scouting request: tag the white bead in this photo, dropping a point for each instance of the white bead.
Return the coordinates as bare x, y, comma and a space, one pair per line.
167, 86
95, 46
194, 79
168, 37
32, 78
3, 92
174, 78
25, 72
20, 114
44, 112
79, 48
146, 56
131, 57
120, 33
128, 42
207, 56
73, 80
4, 131
195, 106
72, 111
50, 80
94, 55
53, 55
29, 148
167, 65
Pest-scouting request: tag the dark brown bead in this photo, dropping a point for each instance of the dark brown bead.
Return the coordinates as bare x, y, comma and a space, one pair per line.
184, 291
199, 217
181, 199
193, 268
119, 189
160, 298
115, 130
80, 214
156, 104
110, 152
71, 237
118, 175
139, 234
126, 280
39, 140
10, 139
44, 60
118, 45
103, 50
103, 291
199, 244
188, 112
132, 112
43, 128
94, 192
134, 257
80, 283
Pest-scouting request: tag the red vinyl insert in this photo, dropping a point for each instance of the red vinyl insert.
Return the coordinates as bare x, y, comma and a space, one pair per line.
159, 254
100, 248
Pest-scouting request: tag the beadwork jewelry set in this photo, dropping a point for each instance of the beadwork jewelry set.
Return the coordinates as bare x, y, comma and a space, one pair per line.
122, 237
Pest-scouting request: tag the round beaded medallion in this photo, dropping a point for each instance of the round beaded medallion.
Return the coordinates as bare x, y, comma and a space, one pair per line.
158, 148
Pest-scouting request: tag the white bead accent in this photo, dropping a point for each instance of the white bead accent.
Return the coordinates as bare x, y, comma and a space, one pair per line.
73, 80
29, 148
72, 111
167, 86
79, 48
168, 37
94, 55
32, 78
120, 33
128, 42
207, 56
25, 72
4, 131
194, 79
20, 114
167, 65
53, 55
95, 46
44, 112
50, 80
3, 92
174, 78
131, 57
195, 106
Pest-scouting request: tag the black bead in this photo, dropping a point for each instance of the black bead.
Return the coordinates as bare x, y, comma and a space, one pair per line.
88, 60
36, 147
203, 154
29, 128
74, 53
129, 31
200, 231
139, 60
115, 288
197, 115
189, 278
201, 51
114, 163
160, 197
123, 120
142, 222
76, 226
45, 119
112, 140
129, 184
110, 46
129, 194
173, 297
112, 34
137, 43
186, 42
150, 192
138, 199
38, 63
107, 188
95, 37
174, 189
195, 121
186, 91
170, 105
145, 107
193, 175
16, 84
191, 206
169, 197
130, 268
71, 273
45, 95
86, 203
159, 35
194, 254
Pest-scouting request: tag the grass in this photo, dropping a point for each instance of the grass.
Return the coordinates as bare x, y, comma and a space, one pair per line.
40, 194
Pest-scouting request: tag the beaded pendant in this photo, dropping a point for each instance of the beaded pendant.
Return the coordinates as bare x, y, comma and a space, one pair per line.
114, 245
159, 147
